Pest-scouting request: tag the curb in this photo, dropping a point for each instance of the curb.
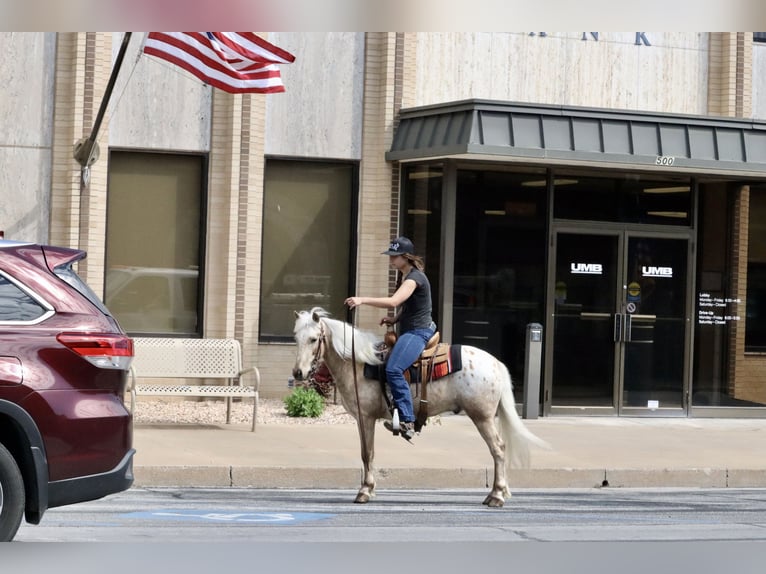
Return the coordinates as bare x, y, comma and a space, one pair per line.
435, 478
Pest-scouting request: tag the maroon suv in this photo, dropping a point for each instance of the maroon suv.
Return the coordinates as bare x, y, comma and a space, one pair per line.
65, 434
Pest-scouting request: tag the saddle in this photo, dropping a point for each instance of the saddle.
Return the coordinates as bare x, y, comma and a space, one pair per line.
436, 361
421, 369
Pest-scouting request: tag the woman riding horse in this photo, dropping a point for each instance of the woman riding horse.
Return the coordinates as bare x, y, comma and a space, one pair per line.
416, 326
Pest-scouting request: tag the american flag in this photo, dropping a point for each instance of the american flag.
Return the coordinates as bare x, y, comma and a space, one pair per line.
236, 62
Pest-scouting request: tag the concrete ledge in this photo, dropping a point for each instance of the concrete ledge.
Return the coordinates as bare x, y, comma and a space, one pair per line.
744, 478
639, 478
435, 478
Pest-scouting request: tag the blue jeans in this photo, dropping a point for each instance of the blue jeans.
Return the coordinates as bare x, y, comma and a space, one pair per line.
406, 351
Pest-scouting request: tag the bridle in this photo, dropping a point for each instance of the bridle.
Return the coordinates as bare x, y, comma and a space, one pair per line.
321, 340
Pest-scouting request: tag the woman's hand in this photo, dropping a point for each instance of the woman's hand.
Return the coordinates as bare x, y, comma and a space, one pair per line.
387, 320
353, 302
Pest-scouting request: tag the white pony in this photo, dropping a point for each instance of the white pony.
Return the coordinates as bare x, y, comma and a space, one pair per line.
482, 389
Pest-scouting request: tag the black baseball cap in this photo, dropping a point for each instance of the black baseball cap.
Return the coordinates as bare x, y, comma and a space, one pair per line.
400, 246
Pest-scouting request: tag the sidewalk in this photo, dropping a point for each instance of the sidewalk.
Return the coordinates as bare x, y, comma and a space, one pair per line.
625, 452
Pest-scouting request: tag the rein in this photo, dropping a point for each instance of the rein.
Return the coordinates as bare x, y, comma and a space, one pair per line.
359, 422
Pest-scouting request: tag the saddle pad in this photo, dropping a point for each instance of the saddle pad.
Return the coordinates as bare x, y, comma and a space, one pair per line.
452, 363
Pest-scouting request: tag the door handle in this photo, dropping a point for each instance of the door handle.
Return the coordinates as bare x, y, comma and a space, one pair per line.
617, 327
627, 328
623, 327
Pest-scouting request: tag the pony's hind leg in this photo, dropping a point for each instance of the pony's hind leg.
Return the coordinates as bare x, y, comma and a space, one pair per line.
367, 443
488, 430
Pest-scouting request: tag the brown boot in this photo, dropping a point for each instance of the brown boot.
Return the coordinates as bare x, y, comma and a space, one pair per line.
406, 429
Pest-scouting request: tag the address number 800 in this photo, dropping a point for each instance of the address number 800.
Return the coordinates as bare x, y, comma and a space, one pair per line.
665, 160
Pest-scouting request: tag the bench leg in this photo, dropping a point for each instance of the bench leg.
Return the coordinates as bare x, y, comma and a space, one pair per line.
228, 410
255, 409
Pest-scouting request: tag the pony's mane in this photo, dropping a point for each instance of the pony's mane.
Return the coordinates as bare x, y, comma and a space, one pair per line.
341, 333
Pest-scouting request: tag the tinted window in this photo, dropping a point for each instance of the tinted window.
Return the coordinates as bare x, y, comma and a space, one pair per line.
755, 320
307, 241
67, 274
632, 199
500, 242
16, 305
154, 228
422, 222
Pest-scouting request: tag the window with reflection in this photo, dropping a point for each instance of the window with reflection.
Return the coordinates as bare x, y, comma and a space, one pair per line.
718, 310
633, 198
154, 230
422, 222
308, 207
17, 306
500, 244
755, 324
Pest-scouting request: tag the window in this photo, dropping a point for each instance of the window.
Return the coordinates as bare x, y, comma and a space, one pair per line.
422, 222
307, 241
500, 242
631, 199
16, 305
154, 231
755, 322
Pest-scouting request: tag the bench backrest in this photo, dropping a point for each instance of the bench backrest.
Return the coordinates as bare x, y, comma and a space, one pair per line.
186, 358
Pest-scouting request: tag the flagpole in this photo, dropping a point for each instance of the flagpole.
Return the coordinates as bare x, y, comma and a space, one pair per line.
86, 150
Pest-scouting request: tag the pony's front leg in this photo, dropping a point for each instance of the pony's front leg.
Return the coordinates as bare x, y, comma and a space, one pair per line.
366, 427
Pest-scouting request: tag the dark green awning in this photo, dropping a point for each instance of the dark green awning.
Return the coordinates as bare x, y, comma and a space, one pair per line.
568, 135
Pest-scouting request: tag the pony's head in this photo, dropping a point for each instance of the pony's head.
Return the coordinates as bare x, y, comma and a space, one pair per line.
317, 335
310, 339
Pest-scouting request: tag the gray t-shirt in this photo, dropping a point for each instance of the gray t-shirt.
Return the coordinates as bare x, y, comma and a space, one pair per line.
416, 311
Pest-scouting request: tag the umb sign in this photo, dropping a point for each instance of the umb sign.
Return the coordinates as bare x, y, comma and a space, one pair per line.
586, 268
651, 271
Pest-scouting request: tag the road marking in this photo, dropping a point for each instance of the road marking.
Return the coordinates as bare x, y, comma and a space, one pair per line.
218, 516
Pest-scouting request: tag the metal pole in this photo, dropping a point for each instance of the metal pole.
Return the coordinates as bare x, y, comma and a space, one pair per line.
84, 149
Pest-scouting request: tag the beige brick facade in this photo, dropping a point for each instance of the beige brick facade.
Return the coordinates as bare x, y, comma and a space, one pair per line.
730, 74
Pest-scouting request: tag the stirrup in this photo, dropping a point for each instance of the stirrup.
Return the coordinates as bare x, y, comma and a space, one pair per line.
404, 429
394, 422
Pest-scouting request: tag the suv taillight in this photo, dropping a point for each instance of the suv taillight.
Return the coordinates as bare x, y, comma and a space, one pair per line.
105, 350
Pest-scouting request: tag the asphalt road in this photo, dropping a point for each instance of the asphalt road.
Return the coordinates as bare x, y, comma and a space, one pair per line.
635, 525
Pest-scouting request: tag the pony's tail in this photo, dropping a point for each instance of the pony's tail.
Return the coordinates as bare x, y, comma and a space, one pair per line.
516, 436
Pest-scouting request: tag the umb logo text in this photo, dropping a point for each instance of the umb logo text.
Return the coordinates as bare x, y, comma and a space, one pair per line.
652, 271
586, 268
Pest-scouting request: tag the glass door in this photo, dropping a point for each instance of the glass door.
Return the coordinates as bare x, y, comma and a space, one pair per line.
617, 331
653, 334
584, 308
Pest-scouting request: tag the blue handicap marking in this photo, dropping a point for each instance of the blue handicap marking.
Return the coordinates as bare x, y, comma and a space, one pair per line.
230, 516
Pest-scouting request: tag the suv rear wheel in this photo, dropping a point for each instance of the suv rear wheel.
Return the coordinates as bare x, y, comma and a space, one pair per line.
11, 496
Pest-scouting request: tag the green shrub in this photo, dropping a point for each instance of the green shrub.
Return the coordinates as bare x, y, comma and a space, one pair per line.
303, 402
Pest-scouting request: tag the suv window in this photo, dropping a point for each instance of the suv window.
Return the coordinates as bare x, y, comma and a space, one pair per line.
17, 306
67, 274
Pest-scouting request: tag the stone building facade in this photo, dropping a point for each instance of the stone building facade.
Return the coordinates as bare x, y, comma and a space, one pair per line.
259, 204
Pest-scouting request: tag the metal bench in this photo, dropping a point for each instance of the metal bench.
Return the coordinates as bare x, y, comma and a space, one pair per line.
167, 358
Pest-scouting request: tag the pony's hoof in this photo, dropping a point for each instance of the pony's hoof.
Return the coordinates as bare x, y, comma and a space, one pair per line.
362, 498
494, 502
